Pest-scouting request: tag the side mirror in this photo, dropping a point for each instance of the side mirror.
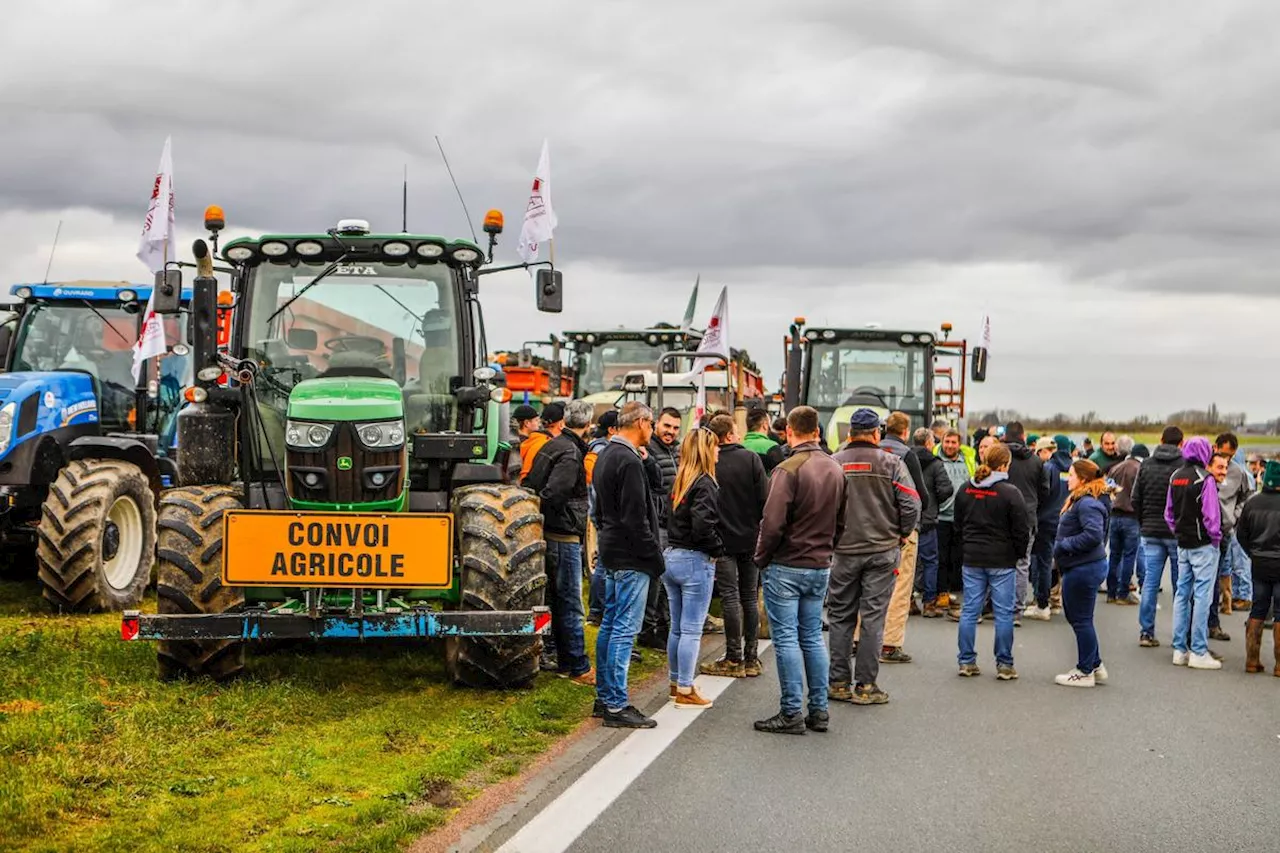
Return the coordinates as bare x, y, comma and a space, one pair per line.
168, 295
978, 362
306, 339
550, 284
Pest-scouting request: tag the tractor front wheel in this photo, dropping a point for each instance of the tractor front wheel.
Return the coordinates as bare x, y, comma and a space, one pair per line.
97, 536
501, 549
189, 580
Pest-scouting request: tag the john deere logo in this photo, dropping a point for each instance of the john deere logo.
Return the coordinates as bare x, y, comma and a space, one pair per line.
344, 463
477, 450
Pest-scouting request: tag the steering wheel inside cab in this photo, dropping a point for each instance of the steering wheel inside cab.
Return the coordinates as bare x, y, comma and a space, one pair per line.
348, 351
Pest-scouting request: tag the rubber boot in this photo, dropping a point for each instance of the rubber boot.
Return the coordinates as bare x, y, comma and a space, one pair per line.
1276, 633
1253, 646
1224, 586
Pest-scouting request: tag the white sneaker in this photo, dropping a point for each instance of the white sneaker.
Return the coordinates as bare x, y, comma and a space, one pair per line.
1100, 674
1075, 678
1180, 658
1134, 598
1040, 613
1204, 662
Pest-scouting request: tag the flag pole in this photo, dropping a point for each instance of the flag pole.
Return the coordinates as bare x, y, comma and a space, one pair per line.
551, 251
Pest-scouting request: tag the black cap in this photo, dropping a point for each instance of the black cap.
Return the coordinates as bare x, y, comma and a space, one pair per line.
524, 413
608, 420
552, 413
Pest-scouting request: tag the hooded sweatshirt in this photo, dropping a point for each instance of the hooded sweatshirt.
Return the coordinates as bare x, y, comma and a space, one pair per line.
1026, 471
992, 523
1051, 508
1192, 509
958, 471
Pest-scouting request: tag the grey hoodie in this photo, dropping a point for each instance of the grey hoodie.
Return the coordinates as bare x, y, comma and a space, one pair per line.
1234, 492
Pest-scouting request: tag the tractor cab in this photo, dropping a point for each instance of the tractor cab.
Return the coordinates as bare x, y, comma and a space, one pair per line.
602, 359
838, 371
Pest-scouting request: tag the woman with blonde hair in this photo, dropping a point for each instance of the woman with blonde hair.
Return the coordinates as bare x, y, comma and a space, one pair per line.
1081, 554
693, 534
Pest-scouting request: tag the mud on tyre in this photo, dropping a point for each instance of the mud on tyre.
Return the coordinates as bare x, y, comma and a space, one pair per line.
189, 580
501, 553
97, 536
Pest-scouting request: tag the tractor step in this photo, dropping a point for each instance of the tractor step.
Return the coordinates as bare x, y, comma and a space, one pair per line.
266, 625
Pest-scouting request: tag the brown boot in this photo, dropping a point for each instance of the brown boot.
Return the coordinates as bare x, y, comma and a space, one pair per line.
1224, 586
1276, 649
1253, 645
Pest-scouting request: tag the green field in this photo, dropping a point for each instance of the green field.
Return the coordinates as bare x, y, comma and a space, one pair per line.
1265, 444
348, 748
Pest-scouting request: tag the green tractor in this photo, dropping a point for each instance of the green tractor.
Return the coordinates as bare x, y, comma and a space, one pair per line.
340, 473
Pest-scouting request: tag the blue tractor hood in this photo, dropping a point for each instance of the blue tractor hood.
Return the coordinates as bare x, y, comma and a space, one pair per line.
39, 403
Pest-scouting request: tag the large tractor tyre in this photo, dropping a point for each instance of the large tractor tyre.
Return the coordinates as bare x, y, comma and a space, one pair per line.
189, 580
502, 552
97, 536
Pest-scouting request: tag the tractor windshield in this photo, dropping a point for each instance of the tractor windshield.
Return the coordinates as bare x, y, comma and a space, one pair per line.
364, 319
877, 374
67, 335
603, 366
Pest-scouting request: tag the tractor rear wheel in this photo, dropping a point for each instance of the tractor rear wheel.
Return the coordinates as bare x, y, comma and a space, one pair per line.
502, 550
189, 580
97, 536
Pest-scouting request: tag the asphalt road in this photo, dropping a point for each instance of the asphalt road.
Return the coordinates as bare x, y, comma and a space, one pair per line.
1161, 758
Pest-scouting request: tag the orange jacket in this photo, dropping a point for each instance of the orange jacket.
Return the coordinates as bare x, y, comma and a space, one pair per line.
529, 448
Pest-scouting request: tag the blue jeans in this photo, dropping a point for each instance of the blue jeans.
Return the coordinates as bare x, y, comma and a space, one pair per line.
1241, 572
689, 578
1001, 583
793, 599
564, 573
1125, 533
1042, 563
1079, 598
624, 596
1198, 571
927, 563
1156, 552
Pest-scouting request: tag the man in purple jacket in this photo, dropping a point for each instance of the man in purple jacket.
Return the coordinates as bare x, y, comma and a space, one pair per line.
1194, 515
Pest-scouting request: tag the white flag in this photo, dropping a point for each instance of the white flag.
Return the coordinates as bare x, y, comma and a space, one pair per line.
716, 337
539, 216
158, 244
154, 250
985, 341
700, 405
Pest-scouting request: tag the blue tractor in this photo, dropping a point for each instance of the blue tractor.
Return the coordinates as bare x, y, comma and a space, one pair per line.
84, 449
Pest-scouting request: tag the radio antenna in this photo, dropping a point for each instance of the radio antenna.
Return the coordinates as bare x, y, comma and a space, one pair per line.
458, 189
404, 202
52, 250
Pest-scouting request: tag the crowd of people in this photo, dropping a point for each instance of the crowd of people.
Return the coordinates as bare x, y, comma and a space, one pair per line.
894, 523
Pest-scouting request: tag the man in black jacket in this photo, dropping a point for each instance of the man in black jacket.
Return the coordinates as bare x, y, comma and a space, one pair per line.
559, 479
937, 491
744, 488
664, 456
896, 429
628, 531
1027, 472
1150, 490
1258, 532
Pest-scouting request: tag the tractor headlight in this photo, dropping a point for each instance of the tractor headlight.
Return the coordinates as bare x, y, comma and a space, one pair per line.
6, 426
465, 255
381, 435
305, 436
239, 254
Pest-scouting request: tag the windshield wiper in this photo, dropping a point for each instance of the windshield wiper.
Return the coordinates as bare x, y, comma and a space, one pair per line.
323, 273
107, 322
406, 308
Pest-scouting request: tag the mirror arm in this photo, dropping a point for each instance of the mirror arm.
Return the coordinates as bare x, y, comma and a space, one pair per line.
508, 267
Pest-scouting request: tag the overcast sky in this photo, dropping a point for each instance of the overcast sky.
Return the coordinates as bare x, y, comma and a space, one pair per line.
1102, 178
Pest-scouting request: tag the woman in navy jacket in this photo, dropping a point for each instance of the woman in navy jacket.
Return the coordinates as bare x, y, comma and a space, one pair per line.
1081, 553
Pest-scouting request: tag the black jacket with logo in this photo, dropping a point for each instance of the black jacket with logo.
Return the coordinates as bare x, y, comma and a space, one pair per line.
992, 523
559, 479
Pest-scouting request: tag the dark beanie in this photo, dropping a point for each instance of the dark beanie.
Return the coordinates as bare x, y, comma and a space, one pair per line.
1140, 451
1065, 444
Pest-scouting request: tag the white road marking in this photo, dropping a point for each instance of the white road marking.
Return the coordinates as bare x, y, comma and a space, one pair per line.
558, 825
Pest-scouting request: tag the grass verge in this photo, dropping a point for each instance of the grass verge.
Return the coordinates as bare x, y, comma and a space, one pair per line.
343, 748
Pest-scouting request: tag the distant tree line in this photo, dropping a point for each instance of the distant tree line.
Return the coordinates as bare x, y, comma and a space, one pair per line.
1202, 421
